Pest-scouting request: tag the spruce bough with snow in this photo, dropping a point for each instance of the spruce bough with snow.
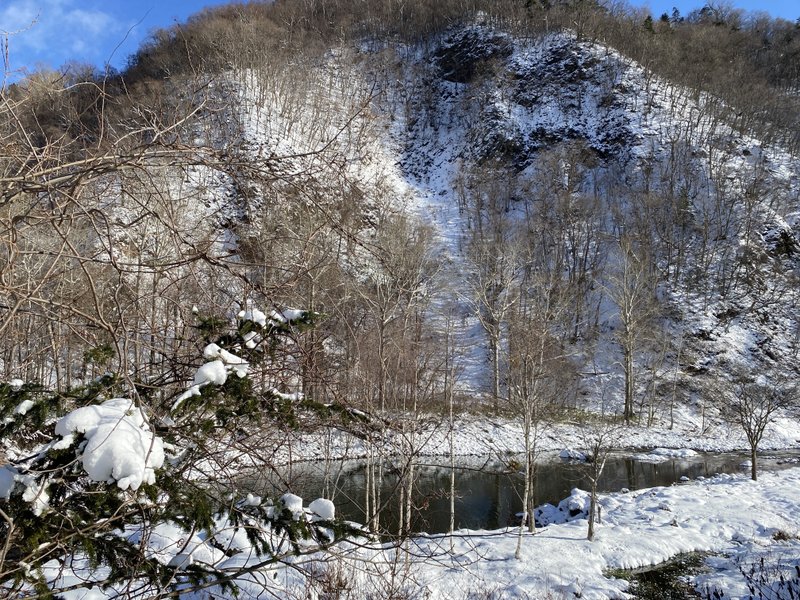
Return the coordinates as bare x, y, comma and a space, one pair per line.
114, 499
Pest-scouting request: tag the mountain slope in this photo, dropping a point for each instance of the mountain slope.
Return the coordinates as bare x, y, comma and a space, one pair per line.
715, 214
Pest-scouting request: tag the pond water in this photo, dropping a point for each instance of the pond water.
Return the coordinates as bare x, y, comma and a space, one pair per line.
487, 495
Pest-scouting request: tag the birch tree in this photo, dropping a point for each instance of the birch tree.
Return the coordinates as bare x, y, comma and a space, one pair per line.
631, 286
491, 252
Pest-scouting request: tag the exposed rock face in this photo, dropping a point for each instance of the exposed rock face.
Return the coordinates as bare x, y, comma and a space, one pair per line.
531, 98
554, 112
462, 55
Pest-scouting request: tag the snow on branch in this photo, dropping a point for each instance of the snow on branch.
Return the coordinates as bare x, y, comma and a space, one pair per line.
119, 446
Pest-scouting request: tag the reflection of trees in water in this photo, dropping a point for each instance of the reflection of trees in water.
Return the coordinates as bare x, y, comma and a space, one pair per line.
630, 472
485, 498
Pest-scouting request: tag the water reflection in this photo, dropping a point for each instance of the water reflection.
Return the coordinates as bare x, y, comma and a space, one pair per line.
487, 496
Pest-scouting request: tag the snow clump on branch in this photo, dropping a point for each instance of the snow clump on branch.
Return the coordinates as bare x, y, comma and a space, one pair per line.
119, 446
322, 509
215, 371
287, 315
224, 362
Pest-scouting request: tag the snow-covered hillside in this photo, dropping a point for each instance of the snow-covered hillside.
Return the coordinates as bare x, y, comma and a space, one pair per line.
554, 117
314, 239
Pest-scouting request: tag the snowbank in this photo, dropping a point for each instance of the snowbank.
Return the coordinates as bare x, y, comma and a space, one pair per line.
664, 454
474, 436
724, 515
570, 454
575, 506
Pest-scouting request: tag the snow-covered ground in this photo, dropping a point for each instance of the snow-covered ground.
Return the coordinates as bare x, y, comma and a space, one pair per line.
736, 519
487, 437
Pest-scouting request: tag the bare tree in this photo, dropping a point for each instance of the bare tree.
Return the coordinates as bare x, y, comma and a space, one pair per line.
599, 436
756, 404
491, 251
539, 374
539, 369
632, 288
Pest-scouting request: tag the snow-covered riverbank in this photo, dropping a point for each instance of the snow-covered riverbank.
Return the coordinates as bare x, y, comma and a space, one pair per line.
487, 437
737, 519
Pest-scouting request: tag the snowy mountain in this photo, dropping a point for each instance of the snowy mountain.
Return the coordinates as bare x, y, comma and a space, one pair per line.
587, 144
290, 233
478, 186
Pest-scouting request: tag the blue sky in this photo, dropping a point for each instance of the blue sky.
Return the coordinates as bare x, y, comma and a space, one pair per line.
785, 9
49, 33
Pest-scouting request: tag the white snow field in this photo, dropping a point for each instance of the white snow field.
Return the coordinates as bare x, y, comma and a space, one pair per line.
730, 516
488, 437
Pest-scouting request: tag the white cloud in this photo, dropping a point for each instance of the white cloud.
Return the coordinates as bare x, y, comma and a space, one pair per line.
93, 22
56, 31
18, 17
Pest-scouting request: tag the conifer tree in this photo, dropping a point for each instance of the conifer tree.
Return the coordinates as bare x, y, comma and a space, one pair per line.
113, 499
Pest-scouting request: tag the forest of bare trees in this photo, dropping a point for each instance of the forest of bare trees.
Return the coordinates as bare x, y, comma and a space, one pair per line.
224, 173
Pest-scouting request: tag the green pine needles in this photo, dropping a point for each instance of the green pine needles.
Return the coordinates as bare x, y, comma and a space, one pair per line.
132, 496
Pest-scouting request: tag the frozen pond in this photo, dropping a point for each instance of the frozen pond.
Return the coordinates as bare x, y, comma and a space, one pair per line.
487, 494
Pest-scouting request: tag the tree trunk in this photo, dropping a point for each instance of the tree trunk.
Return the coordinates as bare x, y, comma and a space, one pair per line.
527, 487
449, 394
592, 510
525, 515
496, 374
382, 359
409, 498
628, 358
753, 468
529, 508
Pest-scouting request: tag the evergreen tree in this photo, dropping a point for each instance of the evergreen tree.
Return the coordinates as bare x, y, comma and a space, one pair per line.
113, 498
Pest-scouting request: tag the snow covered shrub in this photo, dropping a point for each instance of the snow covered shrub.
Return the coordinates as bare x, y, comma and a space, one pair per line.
20, 411
772, 581
128, 492
765, 578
